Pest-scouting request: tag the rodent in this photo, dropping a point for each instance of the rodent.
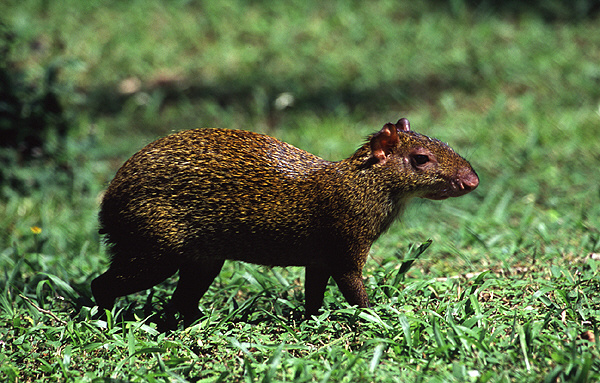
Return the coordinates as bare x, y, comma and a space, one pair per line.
191, 200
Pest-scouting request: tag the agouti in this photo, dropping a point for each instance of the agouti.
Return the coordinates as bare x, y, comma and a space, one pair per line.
191, 200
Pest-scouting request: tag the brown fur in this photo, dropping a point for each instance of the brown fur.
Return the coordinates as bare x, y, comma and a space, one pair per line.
195, 198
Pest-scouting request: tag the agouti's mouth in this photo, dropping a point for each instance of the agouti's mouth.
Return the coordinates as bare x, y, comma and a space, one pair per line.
436, 197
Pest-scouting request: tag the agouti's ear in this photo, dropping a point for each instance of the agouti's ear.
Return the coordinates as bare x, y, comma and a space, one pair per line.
384, 141
403, 125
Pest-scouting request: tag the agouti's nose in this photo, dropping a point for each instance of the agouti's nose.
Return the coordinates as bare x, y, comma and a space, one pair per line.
468, 179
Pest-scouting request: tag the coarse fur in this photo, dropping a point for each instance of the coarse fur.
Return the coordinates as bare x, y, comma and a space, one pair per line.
191, 200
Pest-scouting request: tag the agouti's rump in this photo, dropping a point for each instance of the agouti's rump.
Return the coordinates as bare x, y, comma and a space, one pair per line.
190, 200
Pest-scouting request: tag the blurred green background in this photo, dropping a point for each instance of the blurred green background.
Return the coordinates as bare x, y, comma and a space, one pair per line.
513, 86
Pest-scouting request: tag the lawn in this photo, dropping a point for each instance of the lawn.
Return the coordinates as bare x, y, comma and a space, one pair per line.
508, 289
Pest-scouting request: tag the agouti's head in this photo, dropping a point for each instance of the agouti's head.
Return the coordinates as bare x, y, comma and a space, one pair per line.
424, 167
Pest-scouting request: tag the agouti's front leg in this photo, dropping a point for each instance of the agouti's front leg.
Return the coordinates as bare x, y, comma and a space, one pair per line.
315, 283
351, 285
349, 281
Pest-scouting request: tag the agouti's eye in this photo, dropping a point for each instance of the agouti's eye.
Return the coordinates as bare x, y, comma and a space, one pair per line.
420, 159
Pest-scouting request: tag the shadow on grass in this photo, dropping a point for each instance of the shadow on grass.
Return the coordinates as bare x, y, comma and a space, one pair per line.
548, 10
108, 100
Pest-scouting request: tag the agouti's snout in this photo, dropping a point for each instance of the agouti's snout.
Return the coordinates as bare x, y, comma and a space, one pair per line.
191, 200
468, 181
465, 181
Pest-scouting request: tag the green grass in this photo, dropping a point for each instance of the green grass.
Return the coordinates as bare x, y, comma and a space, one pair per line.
507, 292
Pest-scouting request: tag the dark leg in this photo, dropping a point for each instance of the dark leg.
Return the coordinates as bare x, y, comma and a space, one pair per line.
130, 276
315, 283
351, 285
194, 280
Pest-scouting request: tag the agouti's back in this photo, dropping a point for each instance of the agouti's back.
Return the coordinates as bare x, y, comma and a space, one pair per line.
193, 199
216, 193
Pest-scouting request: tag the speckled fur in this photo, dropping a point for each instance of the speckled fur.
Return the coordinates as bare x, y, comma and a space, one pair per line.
192, 199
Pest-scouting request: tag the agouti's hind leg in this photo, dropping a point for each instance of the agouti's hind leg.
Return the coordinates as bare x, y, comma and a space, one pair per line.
130, 276
194, 280
351, 285
315, 283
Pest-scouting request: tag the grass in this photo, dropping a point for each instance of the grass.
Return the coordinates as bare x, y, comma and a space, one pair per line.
508, 291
